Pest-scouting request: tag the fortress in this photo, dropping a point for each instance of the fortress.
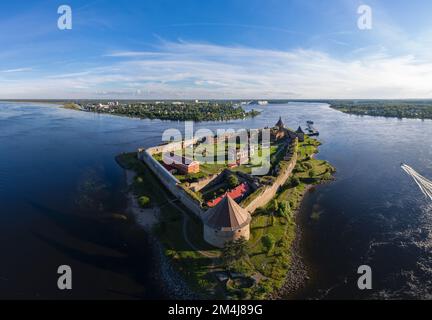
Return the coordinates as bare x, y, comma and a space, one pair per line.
236, 194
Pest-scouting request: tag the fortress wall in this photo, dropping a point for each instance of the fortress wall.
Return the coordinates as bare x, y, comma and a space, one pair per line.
188, 202
169, 181
198, 186
172, 146
270, 192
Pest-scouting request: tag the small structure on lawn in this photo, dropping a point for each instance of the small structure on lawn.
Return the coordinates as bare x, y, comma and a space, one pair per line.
226, 222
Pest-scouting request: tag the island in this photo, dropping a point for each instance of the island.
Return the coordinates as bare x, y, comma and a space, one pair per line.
227, 234
168, 110
410, 109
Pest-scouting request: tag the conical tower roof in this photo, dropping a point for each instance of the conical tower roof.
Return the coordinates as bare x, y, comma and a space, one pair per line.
227, 216
280, 123
300, 130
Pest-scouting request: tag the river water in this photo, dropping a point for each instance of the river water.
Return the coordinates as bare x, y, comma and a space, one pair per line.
59, 180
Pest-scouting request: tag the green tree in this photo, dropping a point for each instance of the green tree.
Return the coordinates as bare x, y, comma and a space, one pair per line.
312, 173
233, 181
241, 247
275, 205
295, 181
282, 209
268, 242
144, 201
327, 176
234, 251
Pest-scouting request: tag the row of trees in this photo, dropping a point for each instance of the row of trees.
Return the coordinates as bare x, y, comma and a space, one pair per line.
396, 109
183, 112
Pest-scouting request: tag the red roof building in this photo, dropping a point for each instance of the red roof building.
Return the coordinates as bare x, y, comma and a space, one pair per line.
234, 194
182, 164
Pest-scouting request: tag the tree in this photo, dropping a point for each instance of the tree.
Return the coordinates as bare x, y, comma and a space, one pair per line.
144, 201
233, 181
295, 181
275, 205
284, 210
241, 247
327, 176
268, 242
233, 251
312, 173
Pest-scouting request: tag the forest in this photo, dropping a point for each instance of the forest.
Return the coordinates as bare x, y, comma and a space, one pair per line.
411, 109
187, 111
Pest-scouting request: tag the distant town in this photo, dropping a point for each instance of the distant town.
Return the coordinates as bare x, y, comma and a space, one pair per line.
171, 110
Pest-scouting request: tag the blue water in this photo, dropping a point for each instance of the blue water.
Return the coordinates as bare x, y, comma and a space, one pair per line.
372, 214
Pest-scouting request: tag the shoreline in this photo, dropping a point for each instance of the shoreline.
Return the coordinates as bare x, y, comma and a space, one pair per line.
298, 275
171, 282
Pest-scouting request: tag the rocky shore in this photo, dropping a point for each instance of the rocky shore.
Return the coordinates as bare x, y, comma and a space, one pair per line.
172, 284
297, 276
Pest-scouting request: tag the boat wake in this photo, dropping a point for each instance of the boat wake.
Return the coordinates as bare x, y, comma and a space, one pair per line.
424, 184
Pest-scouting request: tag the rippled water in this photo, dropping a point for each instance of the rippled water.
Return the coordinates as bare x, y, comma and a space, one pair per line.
372, 214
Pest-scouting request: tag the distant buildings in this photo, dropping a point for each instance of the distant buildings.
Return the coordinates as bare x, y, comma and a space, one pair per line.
109, 106
278, 132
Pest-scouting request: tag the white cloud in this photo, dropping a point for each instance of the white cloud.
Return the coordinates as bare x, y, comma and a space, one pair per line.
16, 70
199, 70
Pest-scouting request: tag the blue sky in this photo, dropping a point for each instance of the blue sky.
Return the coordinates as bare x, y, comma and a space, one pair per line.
216, 49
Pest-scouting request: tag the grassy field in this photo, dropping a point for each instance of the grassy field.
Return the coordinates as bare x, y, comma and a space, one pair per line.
209, 169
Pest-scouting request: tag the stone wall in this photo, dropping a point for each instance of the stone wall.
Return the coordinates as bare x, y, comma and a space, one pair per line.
172, 146
169, 181
270, 192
